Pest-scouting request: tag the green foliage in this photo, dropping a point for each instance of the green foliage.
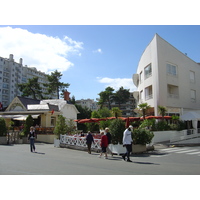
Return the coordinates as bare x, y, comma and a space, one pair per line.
3, 129
70, 126
162, 110
142, 136
104, 112
106, 97
32, 87
54, 84
85, 113
175, 117
180, 125
95, 114
143, 107
147, 123
160, 126
28, 124
93, 127
104, 124
117, 128
121, 96
116, 112
61, 126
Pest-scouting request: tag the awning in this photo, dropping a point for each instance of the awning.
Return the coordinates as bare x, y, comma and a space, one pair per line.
18, 117
23, 117
190, 116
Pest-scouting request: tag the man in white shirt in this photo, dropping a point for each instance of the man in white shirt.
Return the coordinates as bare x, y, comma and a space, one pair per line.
127, 142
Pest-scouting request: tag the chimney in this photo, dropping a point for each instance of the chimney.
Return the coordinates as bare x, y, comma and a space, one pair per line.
66, 95
11, 57
20, 61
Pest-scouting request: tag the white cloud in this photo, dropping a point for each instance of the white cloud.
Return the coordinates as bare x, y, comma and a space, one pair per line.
98, 51
44, 52
116, 83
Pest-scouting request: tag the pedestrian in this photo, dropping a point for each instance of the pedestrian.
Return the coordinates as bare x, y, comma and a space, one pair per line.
89, 140
82, 134
32, 137
127, 142
103, 144
109, 140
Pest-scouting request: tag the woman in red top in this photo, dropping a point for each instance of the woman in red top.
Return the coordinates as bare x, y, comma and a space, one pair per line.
104, 144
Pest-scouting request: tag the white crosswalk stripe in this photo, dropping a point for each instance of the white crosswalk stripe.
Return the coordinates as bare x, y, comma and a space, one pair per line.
174, 149
198, 152
179, 150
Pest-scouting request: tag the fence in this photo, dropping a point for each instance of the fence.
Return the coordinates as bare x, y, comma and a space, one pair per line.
79, 141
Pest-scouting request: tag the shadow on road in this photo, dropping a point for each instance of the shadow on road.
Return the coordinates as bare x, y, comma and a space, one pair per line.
145, 163
39, 153
155, 153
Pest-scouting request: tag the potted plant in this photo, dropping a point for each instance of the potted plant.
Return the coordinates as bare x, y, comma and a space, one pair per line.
60, 129
117, 128
3, 131
141, 137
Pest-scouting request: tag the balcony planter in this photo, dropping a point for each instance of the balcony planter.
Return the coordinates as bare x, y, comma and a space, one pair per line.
138, 148
56, 142
117, 149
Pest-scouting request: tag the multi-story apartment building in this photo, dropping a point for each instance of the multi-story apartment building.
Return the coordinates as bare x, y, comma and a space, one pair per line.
89, 103
13, 73
126, 108
167, 77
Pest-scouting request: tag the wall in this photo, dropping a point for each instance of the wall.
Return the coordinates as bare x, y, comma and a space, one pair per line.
45, 138
175, 137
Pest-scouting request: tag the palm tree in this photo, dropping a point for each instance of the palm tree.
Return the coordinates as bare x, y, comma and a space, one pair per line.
144, 107
116, 112
162, 110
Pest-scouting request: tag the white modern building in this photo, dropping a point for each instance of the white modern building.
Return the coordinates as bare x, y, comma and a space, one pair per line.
167, 77
88, 103
13, 73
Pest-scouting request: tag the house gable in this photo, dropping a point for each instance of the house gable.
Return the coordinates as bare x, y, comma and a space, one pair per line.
16, 105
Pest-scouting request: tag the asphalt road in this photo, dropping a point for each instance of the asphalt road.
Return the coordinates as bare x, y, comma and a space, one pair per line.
18, 160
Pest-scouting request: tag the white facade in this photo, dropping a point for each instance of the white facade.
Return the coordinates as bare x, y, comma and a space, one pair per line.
167, 77
13, 73
88, 103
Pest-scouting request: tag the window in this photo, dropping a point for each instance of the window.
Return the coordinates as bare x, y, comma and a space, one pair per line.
148, 93
147, 71
171, 69
172, 91
141, 95
193, 95
141, 77
192, 77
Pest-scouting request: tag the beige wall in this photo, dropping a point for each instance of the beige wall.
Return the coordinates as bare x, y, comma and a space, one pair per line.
45, 138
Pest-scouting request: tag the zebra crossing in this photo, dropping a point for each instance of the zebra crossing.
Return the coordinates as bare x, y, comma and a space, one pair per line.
182, 150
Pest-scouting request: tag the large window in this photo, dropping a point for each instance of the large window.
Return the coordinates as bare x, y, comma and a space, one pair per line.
192, 76
148, 93
147, 71
171, 69
193, 95
172, 91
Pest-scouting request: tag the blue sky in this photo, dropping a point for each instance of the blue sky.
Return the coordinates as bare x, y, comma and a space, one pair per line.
92, 57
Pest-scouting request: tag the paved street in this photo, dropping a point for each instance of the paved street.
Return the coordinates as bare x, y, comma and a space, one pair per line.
18, 160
